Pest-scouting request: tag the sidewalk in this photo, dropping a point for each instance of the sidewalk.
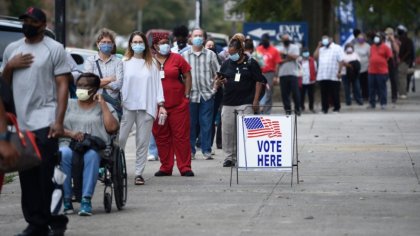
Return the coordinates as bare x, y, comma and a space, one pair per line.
359, 172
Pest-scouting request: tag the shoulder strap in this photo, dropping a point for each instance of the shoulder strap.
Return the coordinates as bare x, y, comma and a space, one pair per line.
99, 69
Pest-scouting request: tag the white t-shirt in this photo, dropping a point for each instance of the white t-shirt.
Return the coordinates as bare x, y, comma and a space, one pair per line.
306, 72
34, 87
141, 86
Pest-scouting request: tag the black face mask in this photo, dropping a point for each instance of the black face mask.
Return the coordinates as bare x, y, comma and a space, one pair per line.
286, 43
30, 31
265, 43
181, 45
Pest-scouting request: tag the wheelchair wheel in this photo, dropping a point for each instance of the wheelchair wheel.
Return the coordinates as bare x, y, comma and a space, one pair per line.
120, 179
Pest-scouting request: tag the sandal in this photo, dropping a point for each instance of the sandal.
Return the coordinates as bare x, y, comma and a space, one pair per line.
139, 180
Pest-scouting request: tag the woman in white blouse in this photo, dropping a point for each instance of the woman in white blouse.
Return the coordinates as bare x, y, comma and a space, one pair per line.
142, 96
350, 75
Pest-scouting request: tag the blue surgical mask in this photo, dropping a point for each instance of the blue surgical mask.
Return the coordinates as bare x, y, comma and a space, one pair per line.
106, 48
164, 49
197, 41
234, 57
325, 41
138, 47
305, 54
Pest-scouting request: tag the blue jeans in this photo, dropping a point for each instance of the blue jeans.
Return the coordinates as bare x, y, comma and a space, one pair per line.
90, 171
202, 114
355, 87
152, 147
377, 86
267, 101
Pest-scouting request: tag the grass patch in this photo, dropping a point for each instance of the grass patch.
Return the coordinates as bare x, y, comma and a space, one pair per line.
8, 178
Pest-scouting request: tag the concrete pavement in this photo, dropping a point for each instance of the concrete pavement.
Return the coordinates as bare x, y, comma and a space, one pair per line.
359, 174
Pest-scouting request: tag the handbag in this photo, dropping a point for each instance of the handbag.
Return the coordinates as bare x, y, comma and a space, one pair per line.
115, 103
25, 144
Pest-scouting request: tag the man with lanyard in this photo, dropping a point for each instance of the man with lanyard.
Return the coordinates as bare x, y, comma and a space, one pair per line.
204, 66
38, 67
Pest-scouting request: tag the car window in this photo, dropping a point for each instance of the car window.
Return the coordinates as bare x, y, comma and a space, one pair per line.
6, 37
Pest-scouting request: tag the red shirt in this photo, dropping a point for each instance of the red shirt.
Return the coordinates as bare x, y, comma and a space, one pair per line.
378, 61
173, 89
271, 58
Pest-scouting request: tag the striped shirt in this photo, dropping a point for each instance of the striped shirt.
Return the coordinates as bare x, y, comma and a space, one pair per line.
112, 67
203, 69
328, 62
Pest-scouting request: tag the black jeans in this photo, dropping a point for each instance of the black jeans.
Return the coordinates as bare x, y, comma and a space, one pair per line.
37, 186
309, 89
330, 92
289, 84
363, 78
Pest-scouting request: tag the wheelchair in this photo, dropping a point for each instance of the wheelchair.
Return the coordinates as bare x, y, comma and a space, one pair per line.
112, 173
114, 176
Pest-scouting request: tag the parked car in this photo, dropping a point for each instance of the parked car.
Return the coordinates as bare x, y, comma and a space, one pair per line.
79, 55
221, 40
10, 30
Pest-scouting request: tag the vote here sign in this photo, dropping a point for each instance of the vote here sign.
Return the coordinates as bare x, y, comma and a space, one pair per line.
265, 142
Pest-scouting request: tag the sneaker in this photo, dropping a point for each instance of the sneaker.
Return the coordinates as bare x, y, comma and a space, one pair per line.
207, 156
383, 107
403, 96
152, 158
101, 174
192, 156
228, 163
213, 152
85, 207
161, 173
188, 174
68, 206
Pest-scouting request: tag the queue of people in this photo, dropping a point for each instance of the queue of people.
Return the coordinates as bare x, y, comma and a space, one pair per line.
172, 97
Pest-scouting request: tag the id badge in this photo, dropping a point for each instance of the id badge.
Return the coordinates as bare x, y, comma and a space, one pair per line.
237, 77
162, 74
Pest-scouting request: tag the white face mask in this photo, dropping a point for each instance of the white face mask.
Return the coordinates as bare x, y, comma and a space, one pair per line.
82, 94
349, 50
376, 40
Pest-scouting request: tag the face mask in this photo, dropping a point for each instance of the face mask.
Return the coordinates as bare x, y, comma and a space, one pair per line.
325, 41
286, 43
138, 47
82, 94
234, 57
164, 49
197, 41
305, 54
30, 31
349, 50
265, 43
376, 40
106, 48
361, 40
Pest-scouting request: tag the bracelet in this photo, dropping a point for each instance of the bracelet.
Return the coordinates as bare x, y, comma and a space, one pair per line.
161, 104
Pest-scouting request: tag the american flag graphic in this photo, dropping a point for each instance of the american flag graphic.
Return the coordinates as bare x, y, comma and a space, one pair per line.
258, 127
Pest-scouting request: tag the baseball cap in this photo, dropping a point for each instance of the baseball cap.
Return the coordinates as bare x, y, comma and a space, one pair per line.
34, 13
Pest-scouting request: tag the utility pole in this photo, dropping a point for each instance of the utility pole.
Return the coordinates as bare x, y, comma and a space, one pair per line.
60, 21
198, 10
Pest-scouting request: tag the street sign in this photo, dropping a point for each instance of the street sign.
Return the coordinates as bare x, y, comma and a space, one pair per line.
232, 15
297, 30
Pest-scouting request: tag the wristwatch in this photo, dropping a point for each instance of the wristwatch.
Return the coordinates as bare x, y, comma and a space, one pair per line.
161, 104
5, 136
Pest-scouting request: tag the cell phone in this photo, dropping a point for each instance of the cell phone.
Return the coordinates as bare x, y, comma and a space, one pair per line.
220, 74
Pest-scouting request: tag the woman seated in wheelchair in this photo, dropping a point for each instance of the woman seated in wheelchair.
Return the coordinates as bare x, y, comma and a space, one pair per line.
88, 116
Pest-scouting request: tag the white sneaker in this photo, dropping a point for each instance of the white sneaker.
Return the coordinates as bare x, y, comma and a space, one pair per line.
207, 156
192, 156
152, 158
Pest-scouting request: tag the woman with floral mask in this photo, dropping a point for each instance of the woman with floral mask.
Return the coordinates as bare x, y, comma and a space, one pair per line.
92, 115
173, 136
241, 78
142, 98
108, 67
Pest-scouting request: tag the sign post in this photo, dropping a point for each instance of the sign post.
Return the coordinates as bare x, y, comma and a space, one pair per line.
298, 31
266, 143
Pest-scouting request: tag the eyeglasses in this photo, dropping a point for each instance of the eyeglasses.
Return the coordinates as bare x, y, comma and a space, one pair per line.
106, 42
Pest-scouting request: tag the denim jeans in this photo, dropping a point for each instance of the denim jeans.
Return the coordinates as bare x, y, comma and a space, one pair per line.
355, 87
202, 114
152, 147
266, 101
377, 86
90, 171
